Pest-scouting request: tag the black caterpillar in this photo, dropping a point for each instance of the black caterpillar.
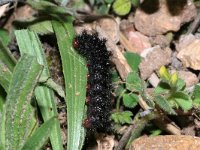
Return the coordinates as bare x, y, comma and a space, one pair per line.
99, 81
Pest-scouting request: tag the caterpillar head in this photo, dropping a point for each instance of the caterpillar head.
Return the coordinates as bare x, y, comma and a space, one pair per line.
89, 45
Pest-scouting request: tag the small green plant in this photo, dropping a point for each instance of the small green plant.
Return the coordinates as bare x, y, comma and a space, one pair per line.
127, 92
171, 94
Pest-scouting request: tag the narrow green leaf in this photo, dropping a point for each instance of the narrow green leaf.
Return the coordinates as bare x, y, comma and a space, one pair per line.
196, 95
5, 76
130, 100
42, 27
49, 8
122, 7
139, 125
2, 118
133, 60
4, 36
29, 43
164, 105
75, 74
40, 136
51, 84
134, 83
6, 57
18, 113
2, 99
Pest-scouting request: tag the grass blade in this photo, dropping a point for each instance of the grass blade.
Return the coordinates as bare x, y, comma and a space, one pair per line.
18, 115
2, 118
40, 136
6, 57
75, 82
5, 76
7, 63
29, 43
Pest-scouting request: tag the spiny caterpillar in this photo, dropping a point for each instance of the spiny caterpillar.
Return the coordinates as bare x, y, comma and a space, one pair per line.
99, 81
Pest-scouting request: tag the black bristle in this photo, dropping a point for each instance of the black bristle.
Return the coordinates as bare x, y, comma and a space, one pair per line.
99, 80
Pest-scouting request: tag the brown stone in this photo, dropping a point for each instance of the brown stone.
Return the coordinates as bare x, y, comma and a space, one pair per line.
138, 41
189, 52
189, 78
164, 17
154, 60
167, 142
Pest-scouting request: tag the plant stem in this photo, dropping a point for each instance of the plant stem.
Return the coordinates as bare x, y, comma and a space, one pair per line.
118, 100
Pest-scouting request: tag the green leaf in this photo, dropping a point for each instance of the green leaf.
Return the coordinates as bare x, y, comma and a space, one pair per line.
4, 36
155, 132
136, 3
2, 118
134, 83
196, 92
164, 105
103, 9
162, 88
196, 102
120, 89
109, 1
29, 43
7, 63
42, 27
122, 117
180, 85
164, 74
2, 99
196, 95
139, 125
136, 133
75, 75
174, 79
51, 84
118, 86
115, 77
5, 76
122, 7
19, 114
133, 60
49, 8
183, 100
130, 100
6, 57
40, 136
